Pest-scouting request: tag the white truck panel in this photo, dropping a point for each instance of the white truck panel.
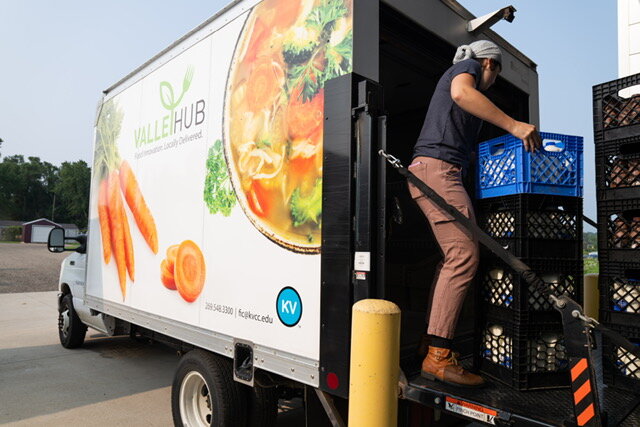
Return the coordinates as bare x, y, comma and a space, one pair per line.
261, 280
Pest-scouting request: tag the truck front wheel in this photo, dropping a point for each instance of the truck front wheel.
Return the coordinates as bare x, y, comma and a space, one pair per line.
71, 330
204, 392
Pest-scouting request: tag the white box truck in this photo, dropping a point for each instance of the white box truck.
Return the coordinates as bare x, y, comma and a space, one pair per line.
239, 208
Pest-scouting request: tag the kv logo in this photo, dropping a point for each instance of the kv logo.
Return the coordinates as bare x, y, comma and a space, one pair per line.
289, 306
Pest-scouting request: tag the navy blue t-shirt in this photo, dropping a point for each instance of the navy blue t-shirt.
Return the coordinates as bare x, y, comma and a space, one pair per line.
449, 133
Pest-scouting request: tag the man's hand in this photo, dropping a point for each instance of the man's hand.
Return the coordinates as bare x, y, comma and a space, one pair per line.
528, 134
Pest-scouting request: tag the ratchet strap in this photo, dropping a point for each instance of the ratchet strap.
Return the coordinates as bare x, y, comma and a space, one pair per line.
529, 276
590, 221
617, 339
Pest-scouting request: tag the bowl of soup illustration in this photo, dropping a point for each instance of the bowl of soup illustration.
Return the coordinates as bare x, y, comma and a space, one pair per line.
274, 114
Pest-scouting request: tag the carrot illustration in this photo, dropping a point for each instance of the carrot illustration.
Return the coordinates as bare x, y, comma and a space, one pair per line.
287, 12
128, 244
304, 118
138, 206
117, 230
103, 216
189, 271
172, 252
166, 276
259, 37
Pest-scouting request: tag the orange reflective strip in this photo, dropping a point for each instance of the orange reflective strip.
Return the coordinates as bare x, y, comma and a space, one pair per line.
578, 369
582, 392
586, 415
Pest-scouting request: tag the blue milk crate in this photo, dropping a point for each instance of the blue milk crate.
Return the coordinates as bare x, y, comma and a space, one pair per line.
505, 167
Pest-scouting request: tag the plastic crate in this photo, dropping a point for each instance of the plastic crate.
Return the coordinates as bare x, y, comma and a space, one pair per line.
503, 292
534, 225
619, 230
618, 169
523, 356
621, 368
614, 115
619, 285
505, 167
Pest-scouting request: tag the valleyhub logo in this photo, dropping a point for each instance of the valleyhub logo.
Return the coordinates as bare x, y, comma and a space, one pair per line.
289, 306
175, 121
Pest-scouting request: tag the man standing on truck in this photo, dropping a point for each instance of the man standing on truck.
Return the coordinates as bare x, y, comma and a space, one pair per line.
441, 155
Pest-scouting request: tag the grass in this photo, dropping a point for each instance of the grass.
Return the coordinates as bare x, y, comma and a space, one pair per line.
10, 241
591, 266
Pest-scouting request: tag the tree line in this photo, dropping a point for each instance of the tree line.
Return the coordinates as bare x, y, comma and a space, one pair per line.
590, 241
32, 189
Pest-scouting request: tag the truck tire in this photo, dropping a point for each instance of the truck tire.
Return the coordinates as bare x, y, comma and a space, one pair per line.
263, 406
71, 330
204, 392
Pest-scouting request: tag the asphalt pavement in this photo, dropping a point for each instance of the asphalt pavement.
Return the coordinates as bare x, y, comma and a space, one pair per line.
109, 381
28, 267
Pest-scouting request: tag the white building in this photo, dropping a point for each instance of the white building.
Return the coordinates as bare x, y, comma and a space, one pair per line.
629, 41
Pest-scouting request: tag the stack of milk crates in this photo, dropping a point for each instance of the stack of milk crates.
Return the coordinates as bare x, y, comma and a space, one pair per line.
531, 203
617, 142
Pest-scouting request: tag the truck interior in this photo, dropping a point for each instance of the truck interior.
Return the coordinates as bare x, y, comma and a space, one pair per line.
411, 61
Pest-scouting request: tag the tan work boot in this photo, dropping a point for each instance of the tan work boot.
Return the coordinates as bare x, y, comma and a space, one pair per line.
425, 343
441, 364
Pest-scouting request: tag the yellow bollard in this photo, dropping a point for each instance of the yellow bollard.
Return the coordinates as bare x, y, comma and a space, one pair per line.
591, 295
375, 364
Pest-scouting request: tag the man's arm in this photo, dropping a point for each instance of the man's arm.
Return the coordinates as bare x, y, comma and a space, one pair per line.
471, 100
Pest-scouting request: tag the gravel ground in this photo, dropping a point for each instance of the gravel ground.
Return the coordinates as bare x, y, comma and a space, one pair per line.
28, 267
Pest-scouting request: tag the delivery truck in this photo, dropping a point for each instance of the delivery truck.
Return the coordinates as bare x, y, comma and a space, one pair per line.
239, 207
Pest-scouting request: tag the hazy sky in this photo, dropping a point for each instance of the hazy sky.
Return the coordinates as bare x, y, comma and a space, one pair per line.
57, 57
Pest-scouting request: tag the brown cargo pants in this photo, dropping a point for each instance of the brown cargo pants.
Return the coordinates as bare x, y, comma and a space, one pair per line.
459, 249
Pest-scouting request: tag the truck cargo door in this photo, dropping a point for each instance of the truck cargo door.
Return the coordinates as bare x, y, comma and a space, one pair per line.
352, 265
369, 192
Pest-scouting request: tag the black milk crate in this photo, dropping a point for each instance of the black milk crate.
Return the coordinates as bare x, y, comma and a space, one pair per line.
619, 285
503, 292
616, 116
621, 368
523, 355
534, 225
619, 230
618, 169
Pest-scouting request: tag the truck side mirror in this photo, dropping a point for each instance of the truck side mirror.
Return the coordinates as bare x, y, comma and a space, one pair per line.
56, 240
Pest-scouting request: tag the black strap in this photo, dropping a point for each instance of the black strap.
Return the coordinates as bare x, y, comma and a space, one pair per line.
618, 340
589, 221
